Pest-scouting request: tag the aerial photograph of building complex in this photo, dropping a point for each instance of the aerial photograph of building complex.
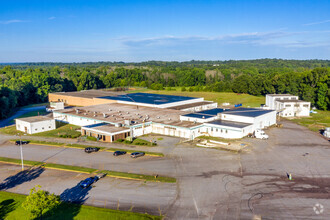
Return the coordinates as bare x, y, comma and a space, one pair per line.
164, 109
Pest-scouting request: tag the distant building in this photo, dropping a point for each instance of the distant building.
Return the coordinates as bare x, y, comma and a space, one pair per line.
135, 114
287, 105
55, 106
36, 124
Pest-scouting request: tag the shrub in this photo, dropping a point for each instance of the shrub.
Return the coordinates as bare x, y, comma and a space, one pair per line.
127, 142
119, 140
91, 138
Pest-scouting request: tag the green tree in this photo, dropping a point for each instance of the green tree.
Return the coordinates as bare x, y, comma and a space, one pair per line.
40, 201
322, 98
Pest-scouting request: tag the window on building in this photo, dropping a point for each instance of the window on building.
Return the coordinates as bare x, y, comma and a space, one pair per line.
226, 131
43, 128
296, 105
36, 129
216, 130
286, 99
287, 105
49, 126
221, 131
306, 106
211, 129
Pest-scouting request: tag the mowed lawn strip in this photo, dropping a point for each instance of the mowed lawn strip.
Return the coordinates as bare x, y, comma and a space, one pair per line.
18, 161
14, 210
139, 176
70, 168
81, 146
92, 170
40, 142
131, 151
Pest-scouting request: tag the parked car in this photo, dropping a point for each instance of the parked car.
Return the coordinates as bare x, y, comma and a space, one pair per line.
91, 149
117, 153
137, 154
87, 182
100, 175
22, 142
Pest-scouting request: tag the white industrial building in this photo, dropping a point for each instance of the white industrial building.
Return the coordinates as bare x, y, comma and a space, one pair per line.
287, 105
36, 124
55, 106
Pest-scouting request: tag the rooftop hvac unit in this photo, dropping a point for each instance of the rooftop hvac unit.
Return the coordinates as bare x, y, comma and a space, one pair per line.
118, 125
127, 112
77, 111
110, 110
94, 115
158, 117
85, 113
118, 111
327, 129
104, 115
203, 117
169, 119
128, 122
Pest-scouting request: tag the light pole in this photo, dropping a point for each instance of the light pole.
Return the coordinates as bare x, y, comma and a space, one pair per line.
20, 145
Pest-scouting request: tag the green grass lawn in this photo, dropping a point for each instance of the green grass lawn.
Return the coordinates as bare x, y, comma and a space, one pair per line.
64, 131
40, 142
36, 105
139, 176
219, 97
315, 122
11, 209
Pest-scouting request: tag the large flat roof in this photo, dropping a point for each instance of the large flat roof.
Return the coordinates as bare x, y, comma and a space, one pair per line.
191, 105
229, 123
118, 113
248, 112
148, 98
106, 127
280, 95
292, 100
35, 119
205, 114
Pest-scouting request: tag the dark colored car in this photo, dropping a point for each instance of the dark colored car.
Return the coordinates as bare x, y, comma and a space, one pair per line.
117, 153
100, 175
137, 154
89, 181
22, 142
91, 149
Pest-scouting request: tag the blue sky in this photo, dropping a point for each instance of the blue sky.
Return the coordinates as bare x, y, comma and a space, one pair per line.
134, 31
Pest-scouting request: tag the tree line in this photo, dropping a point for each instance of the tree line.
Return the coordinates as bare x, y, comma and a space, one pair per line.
28, 83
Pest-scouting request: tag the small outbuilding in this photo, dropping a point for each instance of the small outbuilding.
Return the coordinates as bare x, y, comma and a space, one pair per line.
36, 124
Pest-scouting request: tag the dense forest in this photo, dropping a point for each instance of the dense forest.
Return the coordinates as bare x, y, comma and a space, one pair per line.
28, 83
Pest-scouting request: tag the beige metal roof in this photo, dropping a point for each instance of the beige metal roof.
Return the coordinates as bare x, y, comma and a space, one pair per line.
35, 119
118, 113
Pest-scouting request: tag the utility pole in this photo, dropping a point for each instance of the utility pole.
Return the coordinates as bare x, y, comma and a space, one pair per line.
20, 145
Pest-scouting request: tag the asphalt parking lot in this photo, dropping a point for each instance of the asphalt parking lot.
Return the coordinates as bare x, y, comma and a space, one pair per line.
108, 192
99, 160
211, 184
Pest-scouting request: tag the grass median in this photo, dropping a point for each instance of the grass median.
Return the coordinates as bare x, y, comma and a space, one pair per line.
116, 174
40, 142
18, 161
131, 151
155, 178
12, 209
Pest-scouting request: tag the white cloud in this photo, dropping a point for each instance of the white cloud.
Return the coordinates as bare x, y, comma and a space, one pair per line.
275, 38
52, 18
315, 23
12, 21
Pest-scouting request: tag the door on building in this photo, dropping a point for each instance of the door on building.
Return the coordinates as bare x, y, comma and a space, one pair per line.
25, 129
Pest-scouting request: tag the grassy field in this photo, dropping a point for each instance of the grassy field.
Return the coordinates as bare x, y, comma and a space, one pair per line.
36, 105
64, 131
11, 209
18, 161
219, 97
315, 122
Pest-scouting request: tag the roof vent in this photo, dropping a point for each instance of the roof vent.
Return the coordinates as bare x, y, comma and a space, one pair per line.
127, 112
104, 115
77, 111
85, 113
203, 117
94, 115
169, 119
110, 110
158, 117
118, 111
